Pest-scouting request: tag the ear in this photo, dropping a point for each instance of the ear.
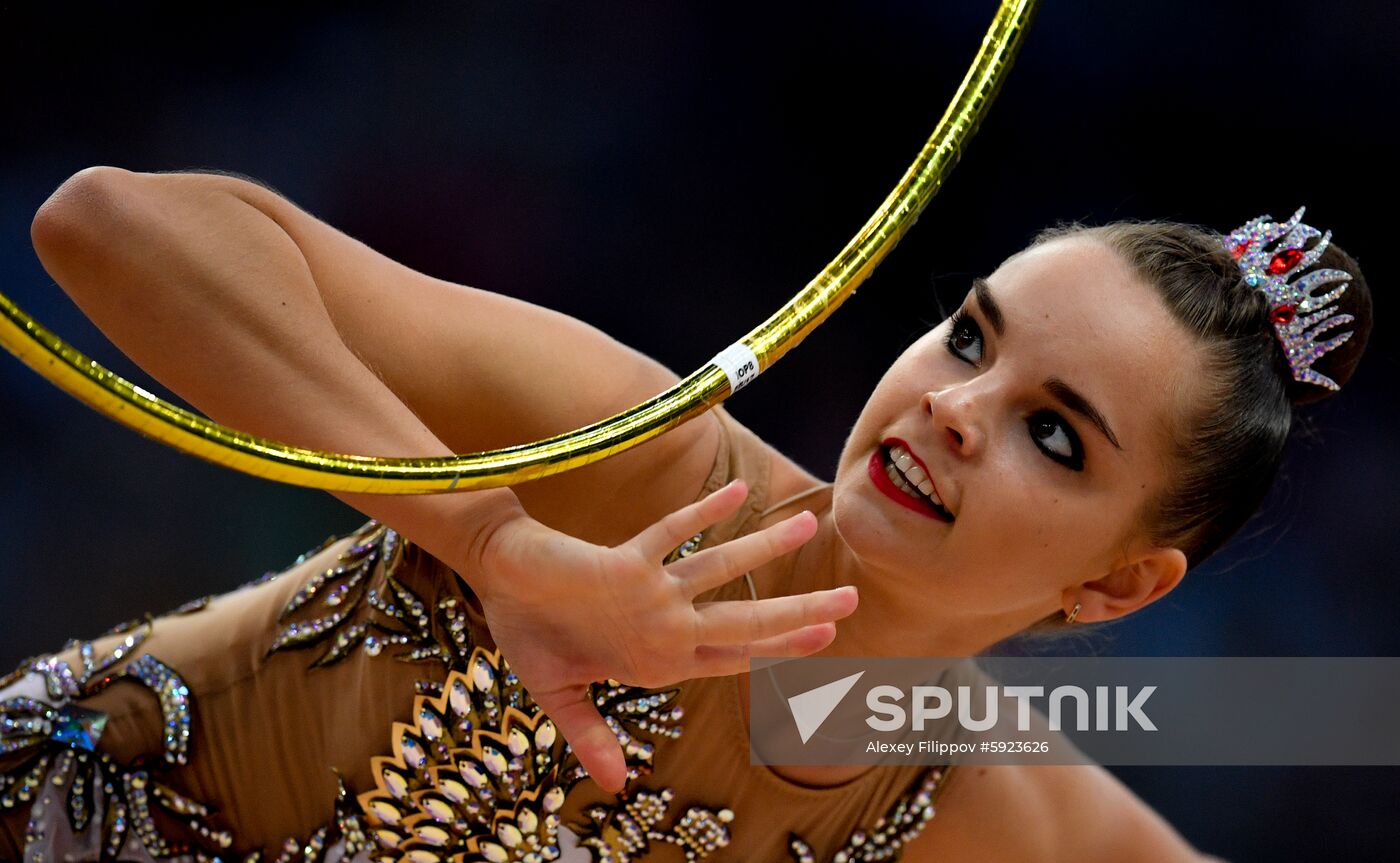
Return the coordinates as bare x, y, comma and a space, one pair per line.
1152, 574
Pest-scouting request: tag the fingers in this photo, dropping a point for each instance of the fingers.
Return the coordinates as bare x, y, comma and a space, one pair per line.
717, 661
593, 742
662, 538
747, 621
723, 563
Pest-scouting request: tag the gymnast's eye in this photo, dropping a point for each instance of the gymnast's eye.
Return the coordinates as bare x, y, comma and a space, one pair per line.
1056, 438
964, 339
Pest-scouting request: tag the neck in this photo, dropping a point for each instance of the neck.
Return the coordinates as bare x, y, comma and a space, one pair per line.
888, 621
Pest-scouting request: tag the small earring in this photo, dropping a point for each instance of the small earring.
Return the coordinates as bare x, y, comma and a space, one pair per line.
1069, 618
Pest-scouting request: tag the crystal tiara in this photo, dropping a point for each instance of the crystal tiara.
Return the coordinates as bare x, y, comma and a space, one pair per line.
1298, 315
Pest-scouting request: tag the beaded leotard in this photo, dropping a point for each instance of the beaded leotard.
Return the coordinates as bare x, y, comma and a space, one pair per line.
353, 707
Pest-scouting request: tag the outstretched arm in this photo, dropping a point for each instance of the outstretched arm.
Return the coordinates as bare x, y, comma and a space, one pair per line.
216, 301
272, 322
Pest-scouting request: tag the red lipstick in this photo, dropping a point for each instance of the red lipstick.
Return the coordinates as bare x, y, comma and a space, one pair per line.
876, 468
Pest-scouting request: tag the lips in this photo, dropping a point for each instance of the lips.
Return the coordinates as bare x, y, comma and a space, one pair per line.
881, 480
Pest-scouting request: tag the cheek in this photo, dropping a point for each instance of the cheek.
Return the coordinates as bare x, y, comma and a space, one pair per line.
890, 398
1049, 532
1021, 513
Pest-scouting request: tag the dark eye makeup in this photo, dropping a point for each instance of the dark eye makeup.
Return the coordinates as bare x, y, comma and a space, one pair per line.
1056, 438
964, 335
1049, 431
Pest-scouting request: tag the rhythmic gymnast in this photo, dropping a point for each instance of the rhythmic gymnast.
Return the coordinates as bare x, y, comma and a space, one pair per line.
1102, 413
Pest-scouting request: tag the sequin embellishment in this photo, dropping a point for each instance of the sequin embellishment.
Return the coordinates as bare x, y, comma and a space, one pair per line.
477, 773
886, 840
49, 749
481, 773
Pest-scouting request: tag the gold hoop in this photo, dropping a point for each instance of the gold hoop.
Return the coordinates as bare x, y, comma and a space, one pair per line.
1069, 618
189, 432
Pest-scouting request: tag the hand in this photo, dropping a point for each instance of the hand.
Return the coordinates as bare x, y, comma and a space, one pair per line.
566, 613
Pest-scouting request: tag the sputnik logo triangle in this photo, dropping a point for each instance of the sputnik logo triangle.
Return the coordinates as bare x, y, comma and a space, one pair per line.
811, 708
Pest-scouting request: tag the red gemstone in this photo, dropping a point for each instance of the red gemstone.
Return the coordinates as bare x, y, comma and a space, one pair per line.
1238, 251
1283, 314
1285, 261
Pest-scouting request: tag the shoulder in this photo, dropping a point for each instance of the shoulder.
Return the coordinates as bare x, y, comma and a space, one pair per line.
754, 458
1045, 813
645, 484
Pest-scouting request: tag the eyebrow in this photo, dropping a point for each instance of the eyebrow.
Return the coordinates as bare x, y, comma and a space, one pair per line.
982, 292
1061, 391
1070, 398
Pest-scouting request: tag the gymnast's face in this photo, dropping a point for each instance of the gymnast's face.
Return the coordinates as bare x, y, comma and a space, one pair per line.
1038, 416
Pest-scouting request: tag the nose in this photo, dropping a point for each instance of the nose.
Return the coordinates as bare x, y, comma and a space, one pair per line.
954, 414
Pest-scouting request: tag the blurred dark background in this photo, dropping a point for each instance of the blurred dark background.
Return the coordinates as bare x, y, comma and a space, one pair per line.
672, 173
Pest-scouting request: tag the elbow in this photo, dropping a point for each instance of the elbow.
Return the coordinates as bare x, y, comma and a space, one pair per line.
79, 211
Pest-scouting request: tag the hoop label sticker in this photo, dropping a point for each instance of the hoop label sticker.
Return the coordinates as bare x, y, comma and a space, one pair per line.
739, 364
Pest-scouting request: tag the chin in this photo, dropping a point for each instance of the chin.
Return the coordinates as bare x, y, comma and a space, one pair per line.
867, 532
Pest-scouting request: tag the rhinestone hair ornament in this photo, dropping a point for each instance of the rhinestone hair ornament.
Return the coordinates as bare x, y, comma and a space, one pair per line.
1298, 315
